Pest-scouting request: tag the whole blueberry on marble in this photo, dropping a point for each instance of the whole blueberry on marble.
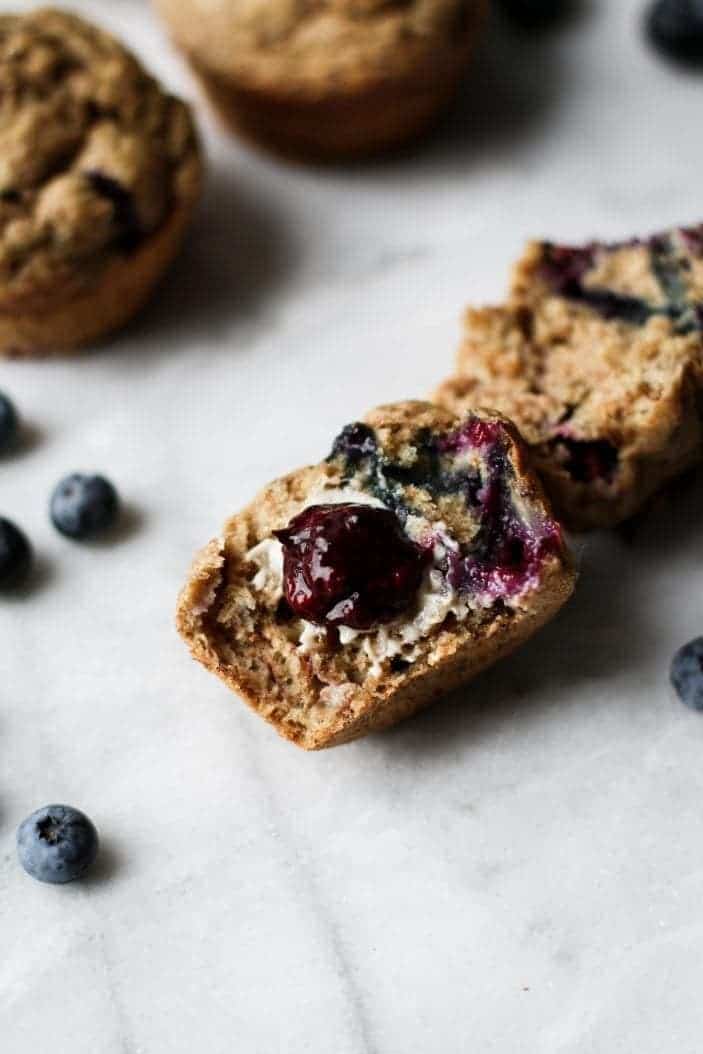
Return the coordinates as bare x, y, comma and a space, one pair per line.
15, 555
84, 506
9, 423
687, 673
57, 844
675, 27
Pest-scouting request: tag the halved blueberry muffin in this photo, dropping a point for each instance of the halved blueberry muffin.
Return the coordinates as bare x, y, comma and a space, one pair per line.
598, 358
351, 593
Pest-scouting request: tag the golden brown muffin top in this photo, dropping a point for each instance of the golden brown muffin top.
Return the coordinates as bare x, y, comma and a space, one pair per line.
93, 155
312, 47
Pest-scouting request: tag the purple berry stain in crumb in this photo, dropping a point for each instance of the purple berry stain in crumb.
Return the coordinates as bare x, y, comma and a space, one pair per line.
587, 460
507, 554
692, 238
349, 565
687, 674
475, 434
564, 269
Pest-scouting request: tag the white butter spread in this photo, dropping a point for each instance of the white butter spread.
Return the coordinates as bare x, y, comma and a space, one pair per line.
268, 557
340, 495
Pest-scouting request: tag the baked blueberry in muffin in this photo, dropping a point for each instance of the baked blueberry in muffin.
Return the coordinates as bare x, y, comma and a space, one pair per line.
351, 593
598, 358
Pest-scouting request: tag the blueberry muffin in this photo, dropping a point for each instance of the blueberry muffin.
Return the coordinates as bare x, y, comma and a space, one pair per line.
330, 79
99, 172
351, 593
598, 358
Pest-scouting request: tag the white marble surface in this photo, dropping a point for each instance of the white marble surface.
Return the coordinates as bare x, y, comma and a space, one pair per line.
521, 871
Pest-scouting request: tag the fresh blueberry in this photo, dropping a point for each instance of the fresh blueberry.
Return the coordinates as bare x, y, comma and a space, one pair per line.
84, 506
15, 555
57, 844
676, 28
687, 673
533, 13
8, 423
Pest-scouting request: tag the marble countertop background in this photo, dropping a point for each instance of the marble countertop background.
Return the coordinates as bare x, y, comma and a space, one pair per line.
517, 870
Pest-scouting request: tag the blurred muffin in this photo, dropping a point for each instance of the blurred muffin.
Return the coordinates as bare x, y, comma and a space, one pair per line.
326, 79
99, 173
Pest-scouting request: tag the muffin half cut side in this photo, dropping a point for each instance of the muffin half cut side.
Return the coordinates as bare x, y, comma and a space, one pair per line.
598, 358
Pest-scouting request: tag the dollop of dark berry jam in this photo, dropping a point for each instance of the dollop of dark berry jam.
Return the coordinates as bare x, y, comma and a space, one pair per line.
349, 565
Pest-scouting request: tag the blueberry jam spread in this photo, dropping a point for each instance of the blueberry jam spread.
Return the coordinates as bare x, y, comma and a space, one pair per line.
565, 270
355, 565
349, 565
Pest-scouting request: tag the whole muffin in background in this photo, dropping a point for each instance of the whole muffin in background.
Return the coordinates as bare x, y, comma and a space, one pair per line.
326, 79
99, 173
